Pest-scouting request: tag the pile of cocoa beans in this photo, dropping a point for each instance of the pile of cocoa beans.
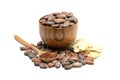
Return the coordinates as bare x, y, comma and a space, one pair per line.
67, 59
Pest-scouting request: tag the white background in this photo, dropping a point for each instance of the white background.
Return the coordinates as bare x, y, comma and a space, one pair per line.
99, 22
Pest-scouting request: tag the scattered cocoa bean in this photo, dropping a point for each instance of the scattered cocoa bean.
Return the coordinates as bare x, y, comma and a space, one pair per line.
89, 58
36, 60
36, 63
24, 48
39, 43
57, 64
43, 65
80, 56
89, 62
82, 61
67, 67
73, 58
62, 55
27, 52
55, 61
32, 55
51, 64
77, 64
65, 63
66, 58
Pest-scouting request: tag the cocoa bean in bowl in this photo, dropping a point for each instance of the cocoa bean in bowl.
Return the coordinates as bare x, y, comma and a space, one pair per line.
59, 29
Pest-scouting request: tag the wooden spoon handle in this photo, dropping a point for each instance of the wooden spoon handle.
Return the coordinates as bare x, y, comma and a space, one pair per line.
20, 40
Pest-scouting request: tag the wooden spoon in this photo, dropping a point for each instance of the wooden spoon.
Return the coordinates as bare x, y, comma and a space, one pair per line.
41, 53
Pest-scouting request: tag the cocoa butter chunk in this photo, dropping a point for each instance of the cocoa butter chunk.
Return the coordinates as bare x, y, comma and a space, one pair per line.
43, 65
58, 21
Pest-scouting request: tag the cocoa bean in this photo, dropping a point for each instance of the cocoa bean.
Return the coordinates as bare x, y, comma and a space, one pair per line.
65, 63
39, 43
62, 55
36, 60
56, 25
51, 64
66, 58
62, 16
80, 56
73, 58
57, 64
58, 21
48, 23
89, 58
36, 63
72, 19
24, 48
89, 62
71, 24
66, 24
77, 64
43, 65
32, 55
82, 61
69, 14
67, 67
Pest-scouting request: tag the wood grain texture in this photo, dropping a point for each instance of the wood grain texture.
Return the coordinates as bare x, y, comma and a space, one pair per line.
58, 37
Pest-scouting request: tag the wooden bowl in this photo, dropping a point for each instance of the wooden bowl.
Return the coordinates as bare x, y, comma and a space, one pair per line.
58, 38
